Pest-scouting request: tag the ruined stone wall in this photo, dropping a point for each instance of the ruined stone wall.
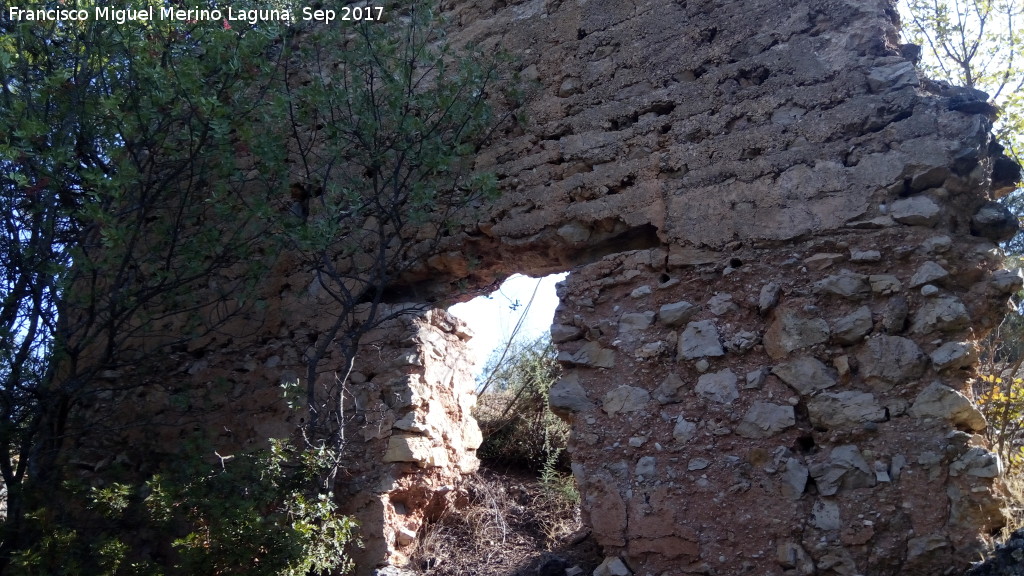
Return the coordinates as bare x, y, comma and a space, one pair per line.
767, 410
409, 436
781, 246
775, 382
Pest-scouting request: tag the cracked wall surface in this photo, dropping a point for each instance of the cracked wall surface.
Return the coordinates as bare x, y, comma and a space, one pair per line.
782, 251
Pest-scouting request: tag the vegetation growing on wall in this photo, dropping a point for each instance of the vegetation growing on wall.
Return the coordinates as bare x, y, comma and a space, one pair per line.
381, 150
151, 170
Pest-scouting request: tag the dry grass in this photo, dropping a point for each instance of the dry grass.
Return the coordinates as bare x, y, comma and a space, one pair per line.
1013, 483
517, 523
511, 523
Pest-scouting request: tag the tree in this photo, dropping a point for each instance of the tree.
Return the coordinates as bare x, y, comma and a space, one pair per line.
152, 169
113, 143
384, 170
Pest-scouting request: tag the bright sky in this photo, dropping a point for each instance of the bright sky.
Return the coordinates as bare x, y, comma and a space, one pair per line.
493, 318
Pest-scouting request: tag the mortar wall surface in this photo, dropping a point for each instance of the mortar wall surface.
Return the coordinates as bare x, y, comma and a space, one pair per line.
778, 277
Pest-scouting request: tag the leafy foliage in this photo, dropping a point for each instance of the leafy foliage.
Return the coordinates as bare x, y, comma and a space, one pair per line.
520, 430
150, 172
256, 513
384, 134
119, 195
1002, 402
999, 391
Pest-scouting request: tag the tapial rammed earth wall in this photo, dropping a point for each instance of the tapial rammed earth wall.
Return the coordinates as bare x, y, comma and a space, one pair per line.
774, 383
782, 251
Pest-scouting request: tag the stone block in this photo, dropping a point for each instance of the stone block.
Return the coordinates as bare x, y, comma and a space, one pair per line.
646, 466
923, 544
565, 333
865, 256
676, 314
845, 468
684, 430
768, 298
1007, 281
885, 284
718, 387
590, 354
612, 566
406, 448
634, 321
936, 244
567, 395
806, 375
625, 399
791, 555
764, 420
916, 211
846, 284
929, 272
790, 331
825, 515
893, 76
755, 379
670, 390
942, 314
844, 409
794, 478
943, 402
995, 222
853, 327
954, 355
699, 340
823, 260
721, 304
891, 360
977, 462
679, 256
894, 315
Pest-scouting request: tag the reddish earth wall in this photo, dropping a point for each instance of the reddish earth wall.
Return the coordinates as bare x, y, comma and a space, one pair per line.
776, 381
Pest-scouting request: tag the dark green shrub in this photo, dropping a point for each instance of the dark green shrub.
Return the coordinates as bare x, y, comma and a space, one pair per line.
260, 513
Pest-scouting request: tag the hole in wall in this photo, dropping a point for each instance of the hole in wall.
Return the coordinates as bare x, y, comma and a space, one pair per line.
520, 301
804, 444
523, 457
